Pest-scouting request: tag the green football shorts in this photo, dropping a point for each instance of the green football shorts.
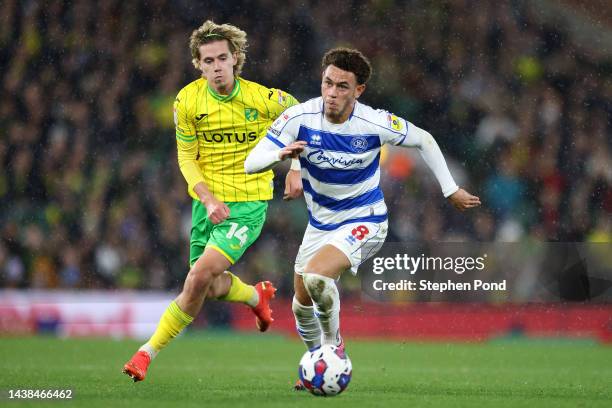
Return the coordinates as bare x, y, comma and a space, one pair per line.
231, 237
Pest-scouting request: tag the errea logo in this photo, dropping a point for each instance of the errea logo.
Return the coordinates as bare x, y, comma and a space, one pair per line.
315, 140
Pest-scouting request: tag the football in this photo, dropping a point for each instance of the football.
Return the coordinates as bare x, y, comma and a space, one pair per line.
326, 371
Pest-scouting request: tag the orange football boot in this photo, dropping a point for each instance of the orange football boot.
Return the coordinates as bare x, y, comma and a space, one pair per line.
263, 313
137, 366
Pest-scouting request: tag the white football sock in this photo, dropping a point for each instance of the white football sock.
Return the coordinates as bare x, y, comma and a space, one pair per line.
324, 294
149, 349
307, 324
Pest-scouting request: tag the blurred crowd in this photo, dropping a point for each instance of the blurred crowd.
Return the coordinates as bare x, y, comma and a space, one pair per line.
90, 191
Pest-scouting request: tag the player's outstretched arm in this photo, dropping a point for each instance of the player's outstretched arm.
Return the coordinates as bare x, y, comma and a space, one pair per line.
431, 153
462, 200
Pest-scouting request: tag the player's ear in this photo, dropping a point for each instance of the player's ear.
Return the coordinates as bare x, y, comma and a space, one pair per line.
359, 90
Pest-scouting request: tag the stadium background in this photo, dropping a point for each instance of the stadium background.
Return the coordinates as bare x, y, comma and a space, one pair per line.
94, 214
518, 95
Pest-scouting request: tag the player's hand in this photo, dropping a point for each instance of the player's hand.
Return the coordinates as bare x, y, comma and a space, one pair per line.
217, 210
292, 151
462, 200
293, 185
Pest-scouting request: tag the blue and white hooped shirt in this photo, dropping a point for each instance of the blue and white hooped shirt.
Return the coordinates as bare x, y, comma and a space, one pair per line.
341, 163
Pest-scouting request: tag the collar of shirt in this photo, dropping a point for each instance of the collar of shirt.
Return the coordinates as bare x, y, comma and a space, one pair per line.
225, 98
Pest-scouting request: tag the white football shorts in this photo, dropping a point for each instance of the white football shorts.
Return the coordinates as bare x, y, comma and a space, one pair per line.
358, 241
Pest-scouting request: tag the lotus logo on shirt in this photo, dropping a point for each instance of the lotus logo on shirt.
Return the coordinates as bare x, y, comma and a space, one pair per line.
315, 140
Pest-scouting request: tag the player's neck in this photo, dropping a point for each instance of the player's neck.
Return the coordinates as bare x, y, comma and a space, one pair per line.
224, 94
336, 120
339, 119
223, 90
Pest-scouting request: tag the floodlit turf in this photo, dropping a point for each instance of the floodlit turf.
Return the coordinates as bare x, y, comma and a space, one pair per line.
258, 370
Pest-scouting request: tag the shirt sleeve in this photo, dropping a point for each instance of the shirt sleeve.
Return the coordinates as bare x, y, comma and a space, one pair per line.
399, 132
186, 143
392, 129
262, 158
278, 101
431, 153
283, 132
285, 128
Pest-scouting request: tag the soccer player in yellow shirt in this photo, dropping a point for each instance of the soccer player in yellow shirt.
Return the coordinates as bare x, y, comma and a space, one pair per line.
219, 118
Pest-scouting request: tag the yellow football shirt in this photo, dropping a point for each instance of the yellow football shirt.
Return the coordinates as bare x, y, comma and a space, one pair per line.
215, 133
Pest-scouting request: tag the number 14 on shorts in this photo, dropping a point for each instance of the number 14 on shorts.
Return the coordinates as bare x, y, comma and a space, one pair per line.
239, 233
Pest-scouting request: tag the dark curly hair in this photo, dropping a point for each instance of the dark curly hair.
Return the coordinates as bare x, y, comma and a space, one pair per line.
349, 60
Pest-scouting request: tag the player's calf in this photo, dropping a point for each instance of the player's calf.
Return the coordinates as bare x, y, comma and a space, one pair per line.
306, 324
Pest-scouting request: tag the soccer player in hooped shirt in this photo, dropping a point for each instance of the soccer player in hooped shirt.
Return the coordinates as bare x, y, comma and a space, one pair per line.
338, 142
219, 118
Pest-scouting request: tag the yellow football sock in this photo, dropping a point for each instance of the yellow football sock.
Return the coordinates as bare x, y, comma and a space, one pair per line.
240, 292
172, 322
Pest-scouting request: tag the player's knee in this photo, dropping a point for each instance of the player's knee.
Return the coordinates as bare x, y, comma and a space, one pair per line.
322, 290
310, 280
315, 283
195, 283
199, 278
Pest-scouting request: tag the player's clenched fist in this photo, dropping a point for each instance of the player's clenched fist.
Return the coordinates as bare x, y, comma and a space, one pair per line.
217, 210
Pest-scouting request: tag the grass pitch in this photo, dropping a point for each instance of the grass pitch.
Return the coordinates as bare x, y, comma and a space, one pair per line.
232, 370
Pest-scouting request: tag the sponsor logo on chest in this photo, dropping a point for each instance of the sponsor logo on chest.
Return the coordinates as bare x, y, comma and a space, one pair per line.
320, 156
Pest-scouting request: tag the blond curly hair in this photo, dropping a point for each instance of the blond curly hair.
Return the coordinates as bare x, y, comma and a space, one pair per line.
209, 32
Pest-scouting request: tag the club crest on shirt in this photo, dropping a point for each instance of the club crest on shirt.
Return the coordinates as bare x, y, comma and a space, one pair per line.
359, 144
394, 122
250, 114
